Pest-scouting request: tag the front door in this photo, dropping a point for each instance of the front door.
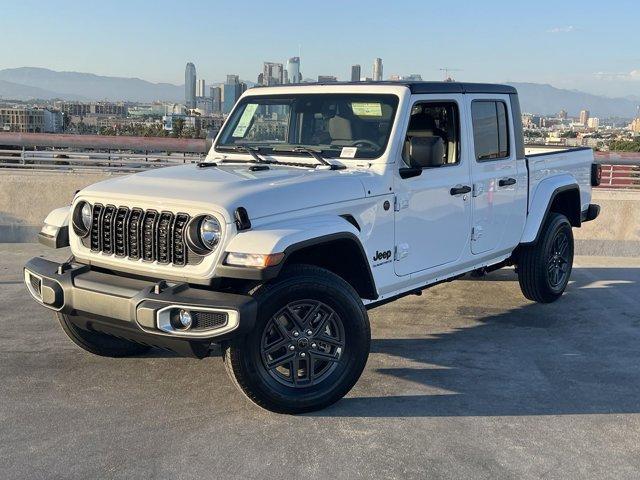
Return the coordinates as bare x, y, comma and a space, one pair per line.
433, 212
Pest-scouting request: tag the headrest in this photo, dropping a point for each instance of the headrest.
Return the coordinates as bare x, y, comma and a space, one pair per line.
340, 128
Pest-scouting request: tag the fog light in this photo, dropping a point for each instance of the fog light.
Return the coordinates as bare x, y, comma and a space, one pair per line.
185, 319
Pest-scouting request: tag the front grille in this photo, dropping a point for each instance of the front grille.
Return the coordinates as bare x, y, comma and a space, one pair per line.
136, 233
206, 320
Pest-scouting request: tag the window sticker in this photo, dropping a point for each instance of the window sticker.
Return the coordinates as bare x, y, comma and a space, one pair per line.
367, 109
245, 120
348, 152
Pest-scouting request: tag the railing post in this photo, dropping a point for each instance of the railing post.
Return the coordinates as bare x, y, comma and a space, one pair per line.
22, 157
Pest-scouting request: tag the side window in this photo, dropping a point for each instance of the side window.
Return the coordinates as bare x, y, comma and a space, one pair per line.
436, 119
490, 129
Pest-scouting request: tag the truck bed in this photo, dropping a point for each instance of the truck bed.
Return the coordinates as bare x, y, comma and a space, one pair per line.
545, 163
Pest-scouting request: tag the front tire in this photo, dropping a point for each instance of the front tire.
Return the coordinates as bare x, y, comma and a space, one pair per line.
309, 345
545, 267
99, 343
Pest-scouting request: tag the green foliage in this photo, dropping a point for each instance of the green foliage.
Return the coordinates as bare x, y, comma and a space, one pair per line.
624, 146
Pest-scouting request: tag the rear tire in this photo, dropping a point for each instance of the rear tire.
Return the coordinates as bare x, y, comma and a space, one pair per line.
99, 343
544, 268
309, 345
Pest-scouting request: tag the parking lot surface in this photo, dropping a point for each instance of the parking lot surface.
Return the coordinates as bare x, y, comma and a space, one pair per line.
470, 380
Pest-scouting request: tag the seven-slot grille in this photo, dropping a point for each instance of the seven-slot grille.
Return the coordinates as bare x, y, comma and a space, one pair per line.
136, 233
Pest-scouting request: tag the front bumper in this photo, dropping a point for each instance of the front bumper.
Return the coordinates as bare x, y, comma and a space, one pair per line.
138, 310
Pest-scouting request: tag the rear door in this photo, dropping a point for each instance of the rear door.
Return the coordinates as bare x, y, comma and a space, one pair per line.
499, 180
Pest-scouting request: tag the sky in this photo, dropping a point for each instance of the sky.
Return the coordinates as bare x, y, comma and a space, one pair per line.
584, 45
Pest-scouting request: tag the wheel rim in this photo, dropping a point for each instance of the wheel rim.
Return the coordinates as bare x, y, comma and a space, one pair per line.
303, 343
559, 260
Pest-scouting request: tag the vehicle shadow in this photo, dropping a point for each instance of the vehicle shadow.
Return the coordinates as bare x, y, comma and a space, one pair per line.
579, 355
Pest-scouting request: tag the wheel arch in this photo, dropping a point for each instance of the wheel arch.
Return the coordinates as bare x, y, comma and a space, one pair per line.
330, 242
560, 196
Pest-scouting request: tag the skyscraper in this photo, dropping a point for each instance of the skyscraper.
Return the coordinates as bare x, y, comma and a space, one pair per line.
190, 85
356, 73
584, 117
231, 92
216, 98
377, 70
200, 88
272, 73
293, 70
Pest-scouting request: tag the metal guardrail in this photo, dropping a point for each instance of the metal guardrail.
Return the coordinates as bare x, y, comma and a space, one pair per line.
131, 154
83, 161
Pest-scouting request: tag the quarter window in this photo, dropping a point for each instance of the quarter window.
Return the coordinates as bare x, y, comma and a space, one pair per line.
490, 130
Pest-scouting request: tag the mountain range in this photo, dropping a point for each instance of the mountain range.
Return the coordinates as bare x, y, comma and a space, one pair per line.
27, 83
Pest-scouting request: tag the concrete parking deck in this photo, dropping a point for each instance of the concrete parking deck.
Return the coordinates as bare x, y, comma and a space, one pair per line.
468, 381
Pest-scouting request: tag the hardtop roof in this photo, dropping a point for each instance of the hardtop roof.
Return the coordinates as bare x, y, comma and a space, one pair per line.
419, 87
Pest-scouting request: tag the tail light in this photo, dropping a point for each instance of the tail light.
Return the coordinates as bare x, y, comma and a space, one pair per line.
596, 174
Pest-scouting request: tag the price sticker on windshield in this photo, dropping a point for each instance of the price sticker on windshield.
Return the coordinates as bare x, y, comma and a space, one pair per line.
245, 120
348, 152
367, 109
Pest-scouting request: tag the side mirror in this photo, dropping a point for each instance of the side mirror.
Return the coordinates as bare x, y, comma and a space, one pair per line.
426, 152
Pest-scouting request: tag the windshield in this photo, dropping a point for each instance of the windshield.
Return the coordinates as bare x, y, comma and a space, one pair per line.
335, 125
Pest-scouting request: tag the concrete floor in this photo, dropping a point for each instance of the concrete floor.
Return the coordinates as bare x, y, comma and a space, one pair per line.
468, 381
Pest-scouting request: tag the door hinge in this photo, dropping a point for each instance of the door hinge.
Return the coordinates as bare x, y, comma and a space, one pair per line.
400, 203
401, 251
476, 233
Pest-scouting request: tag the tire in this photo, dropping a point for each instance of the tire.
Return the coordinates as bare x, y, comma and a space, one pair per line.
544, 268
309, 345
99, 343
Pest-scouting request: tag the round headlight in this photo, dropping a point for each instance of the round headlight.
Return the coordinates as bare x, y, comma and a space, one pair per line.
210, 232
82, 218
203, 234
86, 215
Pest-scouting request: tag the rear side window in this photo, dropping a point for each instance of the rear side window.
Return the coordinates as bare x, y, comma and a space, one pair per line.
490, 129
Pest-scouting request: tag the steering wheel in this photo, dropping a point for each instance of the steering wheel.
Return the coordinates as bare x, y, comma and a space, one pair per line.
364, 142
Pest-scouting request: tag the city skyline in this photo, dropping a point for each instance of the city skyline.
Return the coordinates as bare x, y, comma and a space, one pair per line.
561, 43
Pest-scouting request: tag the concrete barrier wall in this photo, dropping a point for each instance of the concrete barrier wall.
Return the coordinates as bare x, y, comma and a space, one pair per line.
26, 197
616, 232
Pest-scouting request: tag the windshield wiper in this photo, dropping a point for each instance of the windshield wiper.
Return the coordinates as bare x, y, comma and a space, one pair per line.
243, 148
314, 153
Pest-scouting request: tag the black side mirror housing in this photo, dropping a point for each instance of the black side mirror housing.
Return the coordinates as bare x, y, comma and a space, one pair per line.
426, 152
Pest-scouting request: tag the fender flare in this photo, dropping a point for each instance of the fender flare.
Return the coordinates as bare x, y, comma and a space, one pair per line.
543, 198
55, 231
288, 237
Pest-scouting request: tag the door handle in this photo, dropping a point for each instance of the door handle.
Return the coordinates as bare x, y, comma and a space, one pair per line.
460, 189
506, 181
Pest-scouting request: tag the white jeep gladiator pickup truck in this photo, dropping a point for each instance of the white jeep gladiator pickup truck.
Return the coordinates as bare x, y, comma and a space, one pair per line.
315, 204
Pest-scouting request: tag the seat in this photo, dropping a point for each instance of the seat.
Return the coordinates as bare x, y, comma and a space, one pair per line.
340, 130
422, 125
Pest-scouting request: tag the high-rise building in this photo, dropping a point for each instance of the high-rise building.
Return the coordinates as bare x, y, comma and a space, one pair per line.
593, 122
190, 85
327, 79
216, 98
231, 92
293, 70
356, 72
200, 88
562, 115
377, 70
272, 73
584, 117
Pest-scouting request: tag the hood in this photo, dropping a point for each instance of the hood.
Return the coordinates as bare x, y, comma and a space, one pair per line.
279, 189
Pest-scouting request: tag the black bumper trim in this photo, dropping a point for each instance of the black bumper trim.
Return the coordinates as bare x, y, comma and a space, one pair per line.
591, 213
126, 307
